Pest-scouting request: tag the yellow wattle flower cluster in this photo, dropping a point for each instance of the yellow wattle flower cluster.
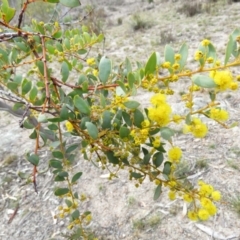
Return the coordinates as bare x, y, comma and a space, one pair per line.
161, 111
118, 101
224, 80
69, 126
207, 207
218, 114
91, 61
197, 128
175, 154
140, 135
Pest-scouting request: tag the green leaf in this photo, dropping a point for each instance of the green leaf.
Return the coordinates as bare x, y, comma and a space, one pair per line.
111, 157
64, 113
33, 159
169, 54
72, 148
105, 67
76, 177
92, 130
65, 71
131, 80
136, 175
57, 34
57, 154
59, 179
55, 119
131, 104
211, 51
75, 215
203, 81
81, 105
40, 67
61, 191
102, 100
158, 159
138, 118
33, 94
229, 49
26, 86
124, 132
70, 3
188, 119
167, 168
184, 55
53, 127
150, 67
12, 86
122, 86
52, 1
42, 118
167, 133
7, 11
157, 192
128, 66
127, 118
33, 135
55, 164
22, 46
107, 118
68, 203
28, 125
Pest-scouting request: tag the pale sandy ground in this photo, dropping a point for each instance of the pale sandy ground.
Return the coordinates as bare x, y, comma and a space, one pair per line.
119, 210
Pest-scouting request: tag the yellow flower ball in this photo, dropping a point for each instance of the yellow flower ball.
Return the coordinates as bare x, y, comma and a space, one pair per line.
216, 195
187, 198
69, 126
172, 195
174, 154
192, 215
203, 214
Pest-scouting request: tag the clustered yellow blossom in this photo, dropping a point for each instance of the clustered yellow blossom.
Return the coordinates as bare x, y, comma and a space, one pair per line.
161, 111
197, 128
176, 118
205, 42
95, 72
198, 55
166, 65
69, 126
224, 80
207, 208
140, 135
172, 195
118, 101
175, 154
218, 114
91, 61
156, 142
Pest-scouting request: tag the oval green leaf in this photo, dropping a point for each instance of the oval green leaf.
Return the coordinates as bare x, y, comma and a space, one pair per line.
64, 71
131, 104
105, 67
150, 67
33, 159
81, 105
124, 132
76, 177
61, 191
204, 81
70, 3
92, 130
157, 192
158, 159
